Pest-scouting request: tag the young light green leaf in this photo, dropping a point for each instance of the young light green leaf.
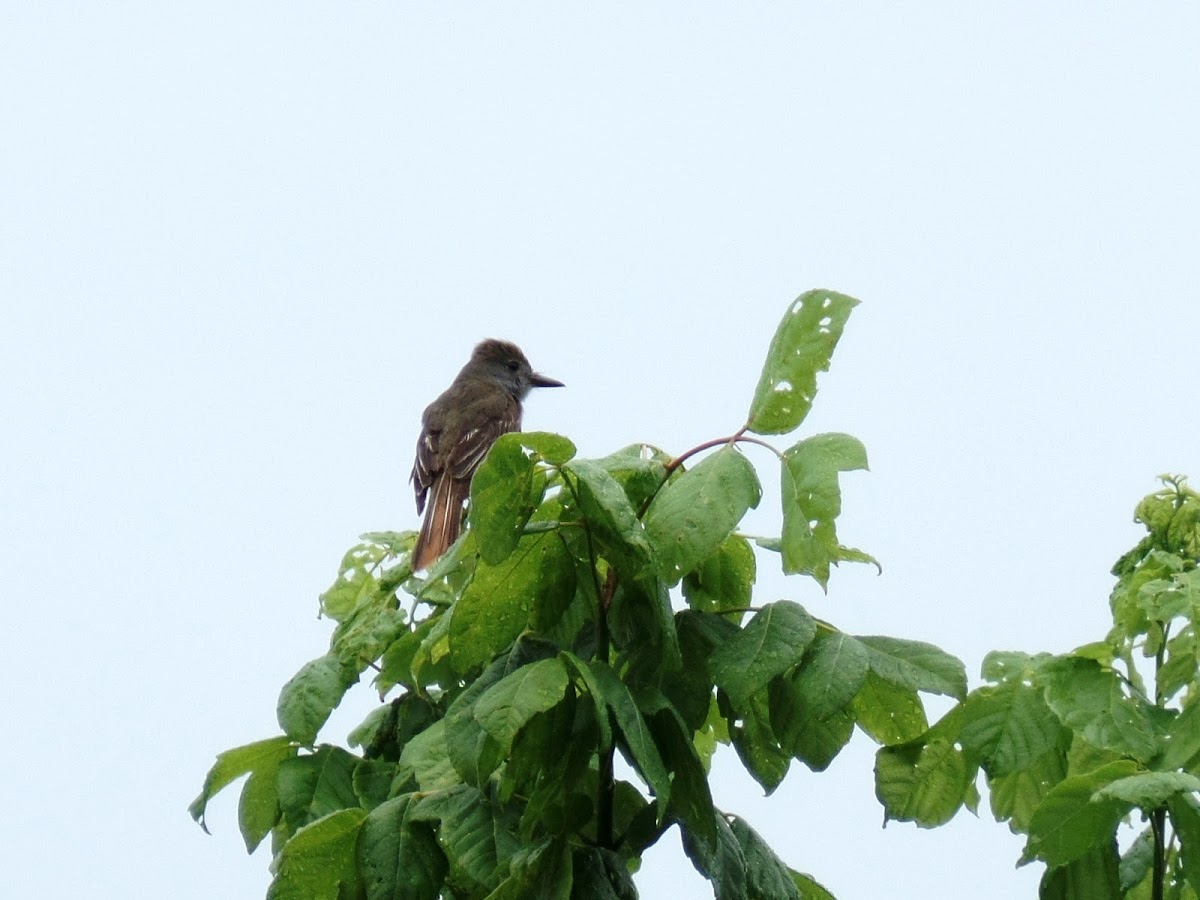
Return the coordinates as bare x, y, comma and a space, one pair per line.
505, 707
397, 857
258, 805
319, 861
802, 346
812, 501
306, 701
696, 511
923, 784
233, 764
1070, 821
547, 446
770, 644
916, 665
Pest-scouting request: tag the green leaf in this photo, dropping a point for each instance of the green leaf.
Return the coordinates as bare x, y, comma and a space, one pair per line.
1185, 819
542, 871
812, 501
695, 512
611, 695
427, 759
495, 606
315, 785
1149, 790
809, 888
1008, 727
889, 713
399, 859
923, 784
640, 470
643, 627
770, 644
831, 673
1093, 876
367, 630
802, 346
600, 875
691, 797
258, 805
318, 863
502, 498
1070, 822
724, 579
356, 579
233, 764
1016, 796
548, 447
814, 741
916, 665
505, 707
477, 842
757, 745
473, 751
605, 507
1137, 861
1088, 698
717, 855
311, 695
1182, 740
766, 875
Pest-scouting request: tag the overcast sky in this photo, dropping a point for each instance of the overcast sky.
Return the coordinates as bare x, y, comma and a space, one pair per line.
242, 246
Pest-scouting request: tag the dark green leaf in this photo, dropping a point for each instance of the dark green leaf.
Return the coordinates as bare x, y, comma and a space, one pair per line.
802, 346
399, 859
717, 855
311, 695
643, 626
542, 871
233, 764
812, 501
1182, 739
691, 798
922, 784
1088, 698
258, 806
1071, 823
473, 751
600, 875
916, 665
766, 876
770, 644
319, 861
372, 782
757, 745
695, 512
427, 759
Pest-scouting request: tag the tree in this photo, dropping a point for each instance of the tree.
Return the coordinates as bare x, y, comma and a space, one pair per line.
593, 606
1072, 744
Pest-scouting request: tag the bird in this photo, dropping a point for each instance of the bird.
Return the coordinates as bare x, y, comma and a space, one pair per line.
457, 430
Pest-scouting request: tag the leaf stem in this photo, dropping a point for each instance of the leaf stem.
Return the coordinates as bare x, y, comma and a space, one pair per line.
738, 436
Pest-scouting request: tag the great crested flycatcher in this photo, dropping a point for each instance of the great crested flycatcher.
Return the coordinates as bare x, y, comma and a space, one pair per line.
458, 429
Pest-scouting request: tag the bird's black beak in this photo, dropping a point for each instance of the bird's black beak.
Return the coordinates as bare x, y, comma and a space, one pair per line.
542, 381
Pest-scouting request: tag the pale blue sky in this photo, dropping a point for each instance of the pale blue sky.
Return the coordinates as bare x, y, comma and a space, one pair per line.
242, 246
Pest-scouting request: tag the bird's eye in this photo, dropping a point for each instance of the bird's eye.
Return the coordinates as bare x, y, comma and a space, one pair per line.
512, 365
